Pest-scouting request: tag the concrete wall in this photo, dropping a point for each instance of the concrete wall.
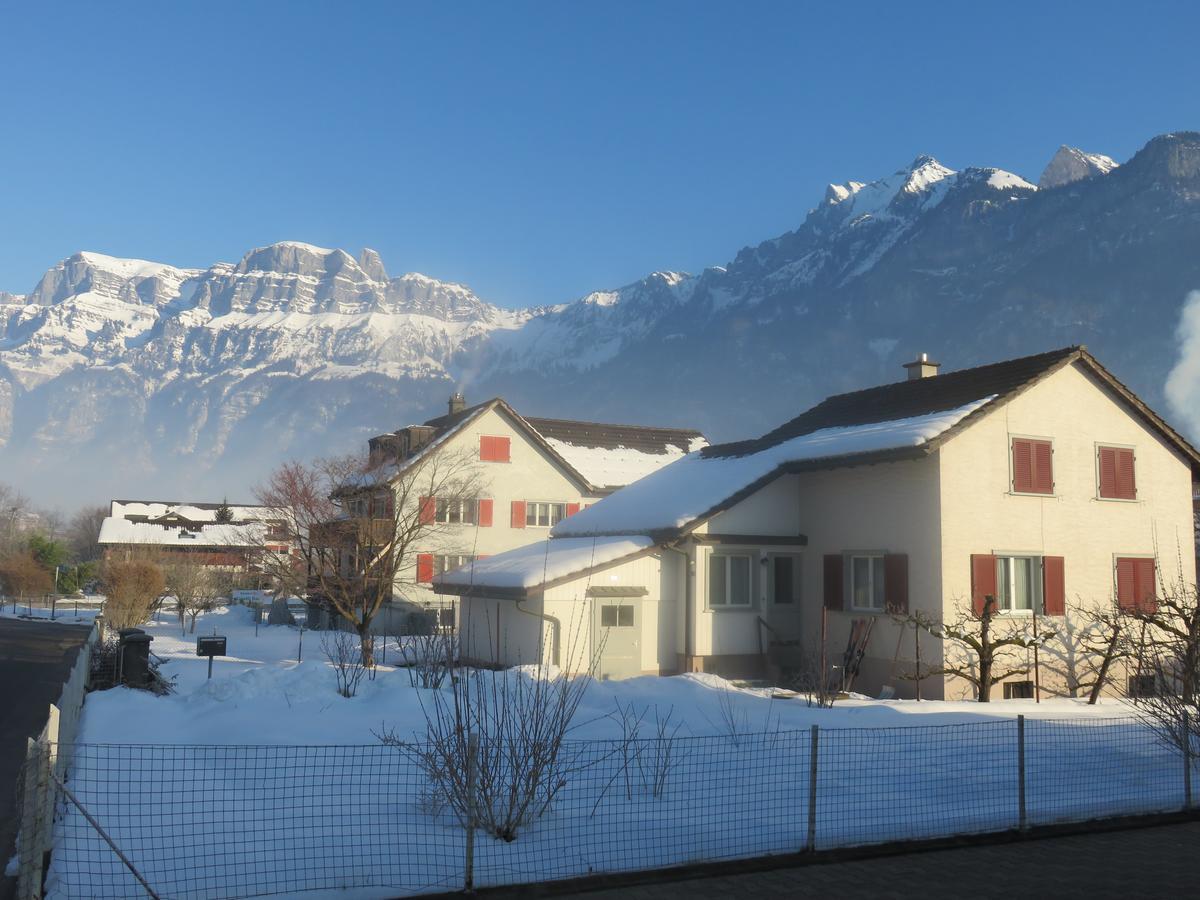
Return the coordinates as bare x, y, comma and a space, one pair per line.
980, 514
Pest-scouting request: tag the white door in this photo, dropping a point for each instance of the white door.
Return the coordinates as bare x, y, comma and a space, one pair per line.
619, 625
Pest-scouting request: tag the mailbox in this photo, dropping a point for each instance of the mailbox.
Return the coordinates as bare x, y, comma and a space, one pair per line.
210, 646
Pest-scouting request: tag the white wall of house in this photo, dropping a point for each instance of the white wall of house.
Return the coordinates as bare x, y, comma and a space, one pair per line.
981, 514
530, 475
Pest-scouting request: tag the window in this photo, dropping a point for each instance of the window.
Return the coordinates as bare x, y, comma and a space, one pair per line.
494, 449
1018, 584
1114, 473
443, 564
785, 579
1018, 690
1142, 686
866, 583
456, 512
728, 580
1136, 584
539, 514
617, 616
1032, 466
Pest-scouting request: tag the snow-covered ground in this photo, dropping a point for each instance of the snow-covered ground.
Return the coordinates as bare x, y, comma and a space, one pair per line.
68, 611
264, 780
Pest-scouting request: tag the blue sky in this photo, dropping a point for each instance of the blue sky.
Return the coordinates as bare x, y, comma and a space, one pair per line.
537, 151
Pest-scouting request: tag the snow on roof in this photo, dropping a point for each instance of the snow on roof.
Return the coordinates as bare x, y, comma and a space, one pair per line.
116, 530
615, 467
195, 512
545, 561
684, 491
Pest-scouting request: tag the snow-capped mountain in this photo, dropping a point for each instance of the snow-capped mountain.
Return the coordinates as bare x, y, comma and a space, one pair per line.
128, 377
1071, 164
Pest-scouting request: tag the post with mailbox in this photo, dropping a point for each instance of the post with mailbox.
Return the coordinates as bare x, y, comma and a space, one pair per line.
210, 647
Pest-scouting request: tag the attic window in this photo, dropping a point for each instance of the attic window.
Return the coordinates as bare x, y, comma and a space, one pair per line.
494, 449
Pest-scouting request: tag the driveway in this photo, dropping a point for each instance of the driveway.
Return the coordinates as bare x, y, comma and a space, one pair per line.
35, 660
1158, 861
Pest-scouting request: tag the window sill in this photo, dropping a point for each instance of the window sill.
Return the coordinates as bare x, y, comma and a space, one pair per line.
1052, 494
1117, 499
866, 611
749, 608
1015, 613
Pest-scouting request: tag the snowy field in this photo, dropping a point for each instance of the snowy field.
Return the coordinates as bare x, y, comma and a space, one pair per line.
68, 611
264, 780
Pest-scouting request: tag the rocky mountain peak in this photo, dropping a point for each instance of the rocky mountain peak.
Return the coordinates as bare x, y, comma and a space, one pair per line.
371, 263
1070, 164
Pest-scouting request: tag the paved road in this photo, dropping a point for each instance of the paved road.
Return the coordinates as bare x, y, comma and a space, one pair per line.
35, 660
1140, 862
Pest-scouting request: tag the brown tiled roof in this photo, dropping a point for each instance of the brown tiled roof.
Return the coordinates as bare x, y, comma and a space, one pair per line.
644, 438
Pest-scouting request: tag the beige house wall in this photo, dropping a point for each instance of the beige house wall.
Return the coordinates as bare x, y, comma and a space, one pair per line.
531, 474
981, 514
505, 632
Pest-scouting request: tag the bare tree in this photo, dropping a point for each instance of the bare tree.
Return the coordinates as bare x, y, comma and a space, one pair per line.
1162, 634
132, 588
13, 507
357, 527
83, 533
194, 589
979, 647
340, 649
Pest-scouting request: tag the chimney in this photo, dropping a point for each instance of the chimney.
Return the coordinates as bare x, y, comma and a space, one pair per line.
457, 402
921, 367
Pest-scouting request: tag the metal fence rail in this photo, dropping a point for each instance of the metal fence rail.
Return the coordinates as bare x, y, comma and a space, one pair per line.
239, 821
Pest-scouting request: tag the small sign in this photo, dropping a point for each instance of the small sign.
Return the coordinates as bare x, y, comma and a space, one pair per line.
210, 646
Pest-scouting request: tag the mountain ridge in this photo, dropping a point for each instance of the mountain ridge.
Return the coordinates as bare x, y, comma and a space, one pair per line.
163, 373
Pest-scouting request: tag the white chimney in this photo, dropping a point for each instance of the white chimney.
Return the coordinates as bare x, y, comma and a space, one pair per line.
921, 367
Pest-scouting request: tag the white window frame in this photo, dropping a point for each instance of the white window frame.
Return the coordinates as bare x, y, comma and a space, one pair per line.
533, 508
871, 570
1012, 472
1037, 600
441, 562
727, 604
1096, 459
467, 511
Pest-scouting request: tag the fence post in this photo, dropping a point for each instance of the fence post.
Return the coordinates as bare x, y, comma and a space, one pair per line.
47, 796
811, 843
29, 876
469, 854
1022, 823
1186, 742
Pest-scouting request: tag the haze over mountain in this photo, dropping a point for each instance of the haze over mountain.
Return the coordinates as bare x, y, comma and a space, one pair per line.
133, 378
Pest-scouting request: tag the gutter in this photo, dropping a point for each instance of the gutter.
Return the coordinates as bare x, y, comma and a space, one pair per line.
555, 628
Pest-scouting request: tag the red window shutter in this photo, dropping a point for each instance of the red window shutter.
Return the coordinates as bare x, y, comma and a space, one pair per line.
485, 513
1108, 473
480, 556
983, 580
424, 568
1022, 466
1126, 482
572, 508
1145, 591
493, 449
833, 581
1126, 581
895, 583
428, 510
1043, 467
1054, 587
518, 514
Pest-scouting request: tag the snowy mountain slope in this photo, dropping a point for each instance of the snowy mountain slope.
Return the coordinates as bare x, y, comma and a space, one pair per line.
132, 377
1071, 164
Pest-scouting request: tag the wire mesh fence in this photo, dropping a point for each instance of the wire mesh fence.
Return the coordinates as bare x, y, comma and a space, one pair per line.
240, 821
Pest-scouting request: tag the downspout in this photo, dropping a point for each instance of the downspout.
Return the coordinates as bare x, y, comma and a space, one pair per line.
688, 637
555, 627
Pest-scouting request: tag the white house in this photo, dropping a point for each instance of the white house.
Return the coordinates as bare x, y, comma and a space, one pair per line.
1042, 481
532, 473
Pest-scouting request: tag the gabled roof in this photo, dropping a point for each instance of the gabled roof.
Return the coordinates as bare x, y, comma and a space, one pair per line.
599, 456
906, 420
